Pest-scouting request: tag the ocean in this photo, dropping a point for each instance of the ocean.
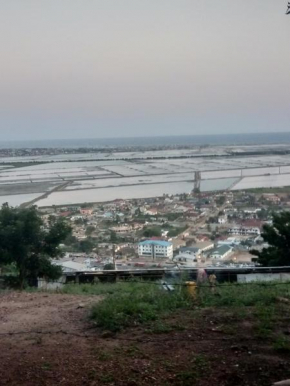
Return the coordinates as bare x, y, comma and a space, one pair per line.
182, 140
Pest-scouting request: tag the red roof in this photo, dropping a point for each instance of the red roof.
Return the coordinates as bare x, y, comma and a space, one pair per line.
64, 214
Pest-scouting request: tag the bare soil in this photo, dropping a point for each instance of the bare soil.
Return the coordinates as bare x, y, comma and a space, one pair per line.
48, 339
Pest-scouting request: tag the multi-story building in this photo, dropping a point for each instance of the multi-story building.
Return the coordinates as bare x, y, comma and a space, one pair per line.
245, 231
155, 249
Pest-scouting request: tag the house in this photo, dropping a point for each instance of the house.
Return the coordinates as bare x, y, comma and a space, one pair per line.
271, 198
244, 230
196, 251
86, 211
222, 219
230, 241
252, 210
71, 266
121, 228
204, 246
155, 249
221, 252
187, 258
151, 211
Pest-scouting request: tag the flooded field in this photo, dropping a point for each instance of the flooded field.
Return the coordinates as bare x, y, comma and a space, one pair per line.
18, 199
127, 192
99, 177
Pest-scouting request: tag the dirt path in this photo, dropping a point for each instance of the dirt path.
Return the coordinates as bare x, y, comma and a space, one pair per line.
36, 344
43, 312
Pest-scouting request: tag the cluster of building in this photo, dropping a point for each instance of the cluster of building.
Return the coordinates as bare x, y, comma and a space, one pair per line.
183, 230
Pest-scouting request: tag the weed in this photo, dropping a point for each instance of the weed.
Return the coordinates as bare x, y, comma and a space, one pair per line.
106, 378
46, 366
200, 363
160, 328
92, 374
282, 344
103, 356
198, 366
144, 303
265, 319
186, 377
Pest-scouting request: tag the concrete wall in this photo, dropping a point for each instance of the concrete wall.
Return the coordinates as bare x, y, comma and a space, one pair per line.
42, 284
252, 277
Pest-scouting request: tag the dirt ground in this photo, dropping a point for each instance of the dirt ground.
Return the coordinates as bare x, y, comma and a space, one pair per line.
48, 339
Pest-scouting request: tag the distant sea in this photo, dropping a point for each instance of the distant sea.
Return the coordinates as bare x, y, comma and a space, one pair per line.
183, 140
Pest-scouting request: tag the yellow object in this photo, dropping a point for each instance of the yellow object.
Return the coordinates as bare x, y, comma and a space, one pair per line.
191, 288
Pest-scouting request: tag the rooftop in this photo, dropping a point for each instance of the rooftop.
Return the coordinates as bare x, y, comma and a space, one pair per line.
222, 249
156, 242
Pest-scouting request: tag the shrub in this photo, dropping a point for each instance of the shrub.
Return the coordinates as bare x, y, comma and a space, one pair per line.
143, 303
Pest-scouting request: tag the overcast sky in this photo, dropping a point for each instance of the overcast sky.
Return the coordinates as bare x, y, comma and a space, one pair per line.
105, 68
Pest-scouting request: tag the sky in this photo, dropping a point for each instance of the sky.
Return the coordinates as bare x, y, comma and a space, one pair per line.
111, 68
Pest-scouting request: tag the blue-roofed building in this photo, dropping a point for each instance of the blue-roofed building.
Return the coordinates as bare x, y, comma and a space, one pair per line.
155, 249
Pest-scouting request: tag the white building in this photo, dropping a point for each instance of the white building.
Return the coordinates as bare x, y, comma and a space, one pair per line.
185, 258
222, 219
155, 249
221, 252
243, 230
230, 241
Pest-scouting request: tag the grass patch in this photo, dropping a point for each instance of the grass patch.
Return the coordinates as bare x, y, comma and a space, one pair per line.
138, 304
131, 303
281, 344
199, 365
237, 295
265, 317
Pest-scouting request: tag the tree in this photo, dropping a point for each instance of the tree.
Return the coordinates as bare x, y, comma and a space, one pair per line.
86, 246
79, 221
89, 230
152, 232
278, 238
221, 200
113, 237
109, 267
25, 242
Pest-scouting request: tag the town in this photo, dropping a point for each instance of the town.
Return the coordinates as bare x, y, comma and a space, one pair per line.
182, 231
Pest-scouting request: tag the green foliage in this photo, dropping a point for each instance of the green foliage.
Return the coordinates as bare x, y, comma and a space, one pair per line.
152, 232
239, 295
79, 221
113, 237
143, 303
221, 200
89, 230
86, 246
109, 267
173, 216
282, 344
176, 231
278, 238
263, 214
283, 189
25, 243
74, 245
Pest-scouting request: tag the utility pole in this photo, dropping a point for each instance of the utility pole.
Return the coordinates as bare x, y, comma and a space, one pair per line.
114, 258
197, 178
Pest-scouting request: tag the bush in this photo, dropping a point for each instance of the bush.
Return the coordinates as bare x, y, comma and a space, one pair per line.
140, 303
250, 294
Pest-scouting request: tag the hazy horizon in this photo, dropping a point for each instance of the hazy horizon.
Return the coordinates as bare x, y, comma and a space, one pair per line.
79, 69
